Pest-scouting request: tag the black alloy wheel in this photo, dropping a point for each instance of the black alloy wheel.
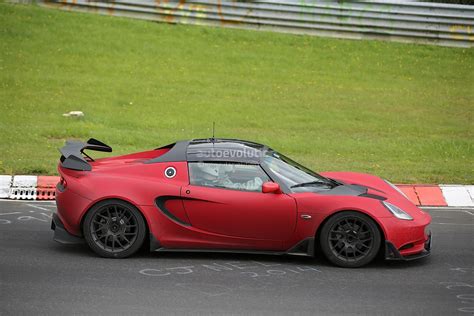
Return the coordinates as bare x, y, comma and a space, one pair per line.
114, 229
350, 239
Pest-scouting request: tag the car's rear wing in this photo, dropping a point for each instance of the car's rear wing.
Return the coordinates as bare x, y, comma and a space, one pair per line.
72, 154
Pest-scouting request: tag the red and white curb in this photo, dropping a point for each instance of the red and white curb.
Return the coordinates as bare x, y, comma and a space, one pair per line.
28, 187
439, 195
42, 188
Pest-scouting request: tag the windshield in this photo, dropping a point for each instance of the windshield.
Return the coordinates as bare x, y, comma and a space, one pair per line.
294, 175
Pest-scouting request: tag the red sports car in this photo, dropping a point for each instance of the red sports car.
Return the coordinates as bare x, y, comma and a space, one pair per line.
228, 195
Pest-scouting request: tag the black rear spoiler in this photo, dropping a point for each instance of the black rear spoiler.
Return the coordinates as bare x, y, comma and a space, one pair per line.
72, 153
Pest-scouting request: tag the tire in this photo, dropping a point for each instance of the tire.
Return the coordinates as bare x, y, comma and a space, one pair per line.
350, 239
114, 229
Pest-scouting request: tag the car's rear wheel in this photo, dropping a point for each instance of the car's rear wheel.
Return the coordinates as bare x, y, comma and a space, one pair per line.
350, 239
114, 229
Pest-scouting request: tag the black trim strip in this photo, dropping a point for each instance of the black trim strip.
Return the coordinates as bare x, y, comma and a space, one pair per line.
250, 251
304, 247
373, 196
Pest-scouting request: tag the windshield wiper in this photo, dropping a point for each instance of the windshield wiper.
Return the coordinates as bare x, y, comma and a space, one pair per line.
304, 184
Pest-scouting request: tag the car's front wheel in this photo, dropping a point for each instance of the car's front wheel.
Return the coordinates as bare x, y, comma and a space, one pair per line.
114, 229
350, 239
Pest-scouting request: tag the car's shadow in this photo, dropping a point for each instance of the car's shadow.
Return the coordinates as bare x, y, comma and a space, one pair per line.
82, 250
318, 261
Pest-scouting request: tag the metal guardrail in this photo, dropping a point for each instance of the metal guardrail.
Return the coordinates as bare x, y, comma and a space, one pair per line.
427, 23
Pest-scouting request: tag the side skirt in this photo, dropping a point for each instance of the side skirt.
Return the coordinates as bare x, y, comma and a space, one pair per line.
302, 248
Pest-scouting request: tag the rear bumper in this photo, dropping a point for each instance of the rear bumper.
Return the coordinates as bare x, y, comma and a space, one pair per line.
61, 235
71, 208
392, 253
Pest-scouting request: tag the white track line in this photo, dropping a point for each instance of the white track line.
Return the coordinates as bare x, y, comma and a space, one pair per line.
28, 201
39, 207
452, 224
448, 209
457, 211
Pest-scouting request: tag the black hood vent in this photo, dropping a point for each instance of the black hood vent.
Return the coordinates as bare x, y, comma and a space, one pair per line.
352, 190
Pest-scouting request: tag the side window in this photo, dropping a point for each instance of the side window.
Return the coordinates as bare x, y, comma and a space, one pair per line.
227, 175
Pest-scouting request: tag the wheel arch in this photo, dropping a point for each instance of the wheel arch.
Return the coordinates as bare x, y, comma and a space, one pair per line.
381, 229
121, 199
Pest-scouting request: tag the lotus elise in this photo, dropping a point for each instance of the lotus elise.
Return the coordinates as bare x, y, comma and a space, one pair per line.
229, 195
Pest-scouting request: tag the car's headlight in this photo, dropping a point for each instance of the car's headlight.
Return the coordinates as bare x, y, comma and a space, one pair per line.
396, 188
397, 212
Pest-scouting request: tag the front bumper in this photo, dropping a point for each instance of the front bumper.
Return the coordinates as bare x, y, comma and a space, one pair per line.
61, 235
392, 253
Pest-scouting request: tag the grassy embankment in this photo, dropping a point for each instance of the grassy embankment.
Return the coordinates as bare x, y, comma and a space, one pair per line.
401, 111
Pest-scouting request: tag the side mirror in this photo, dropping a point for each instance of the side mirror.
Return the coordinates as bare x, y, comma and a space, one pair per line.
271, 187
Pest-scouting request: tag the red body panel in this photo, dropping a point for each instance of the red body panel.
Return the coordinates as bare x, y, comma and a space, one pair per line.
212, 218
243, 214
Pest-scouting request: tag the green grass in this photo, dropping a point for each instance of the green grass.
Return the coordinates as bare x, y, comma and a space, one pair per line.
401, 111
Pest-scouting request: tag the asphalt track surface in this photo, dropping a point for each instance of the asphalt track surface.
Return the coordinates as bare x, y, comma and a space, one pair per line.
39, 276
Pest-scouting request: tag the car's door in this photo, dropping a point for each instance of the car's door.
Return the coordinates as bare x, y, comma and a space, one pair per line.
232, 203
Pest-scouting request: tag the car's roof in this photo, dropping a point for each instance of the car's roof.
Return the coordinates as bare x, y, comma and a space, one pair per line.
213, 149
